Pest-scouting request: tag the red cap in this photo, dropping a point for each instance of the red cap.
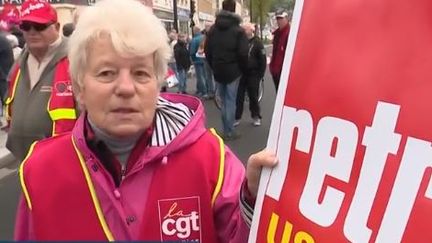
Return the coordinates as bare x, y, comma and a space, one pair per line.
38, 11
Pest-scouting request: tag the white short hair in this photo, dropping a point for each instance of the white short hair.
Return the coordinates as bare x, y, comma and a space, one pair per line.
133, 29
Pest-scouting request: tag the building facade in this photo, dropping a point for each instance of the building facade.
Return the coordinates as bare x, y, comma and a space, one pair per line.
164, 10
183, 15
205, 11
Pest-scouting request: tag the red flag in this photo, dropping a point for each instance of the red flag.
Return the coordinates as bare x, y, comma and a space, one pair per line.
352, 126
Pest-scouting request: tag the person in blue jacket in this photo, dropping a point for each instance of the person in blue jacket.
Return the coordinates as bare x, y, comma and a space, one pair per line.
198, 62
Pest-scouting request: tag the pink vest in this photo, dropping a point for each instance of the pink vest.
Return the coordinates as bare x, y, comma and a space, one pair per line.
64, 206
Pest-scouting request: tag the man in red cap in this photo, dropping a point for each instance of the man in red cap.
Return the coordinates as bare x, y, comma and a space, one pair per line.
40, 101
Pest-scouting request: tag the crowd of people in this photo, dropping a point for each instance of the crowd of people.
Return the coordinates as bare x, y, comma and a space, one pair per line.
228, 58
129, 152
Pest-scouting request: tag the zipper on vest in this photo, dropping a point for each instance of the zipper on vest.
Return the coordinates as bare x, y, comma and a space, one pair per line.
123, 172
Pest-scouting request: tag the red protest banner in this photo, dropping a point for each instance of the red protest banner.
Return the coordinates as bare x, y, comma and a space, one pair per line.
352, 126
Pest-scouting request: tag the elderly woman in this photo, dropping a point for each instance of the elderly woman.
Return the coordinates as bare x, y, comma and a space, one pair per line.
137, 165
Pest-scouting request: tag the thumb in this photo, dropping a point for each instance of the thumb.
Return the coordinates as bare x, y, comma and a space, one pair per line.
264, 158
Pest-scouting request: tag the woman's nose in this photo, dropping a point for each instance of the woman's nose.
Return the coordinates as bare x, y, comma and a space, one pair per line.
125, 83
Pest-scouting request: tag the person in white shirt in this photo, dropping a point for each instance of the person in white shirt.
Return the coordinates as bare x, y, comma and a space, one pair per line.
13, 40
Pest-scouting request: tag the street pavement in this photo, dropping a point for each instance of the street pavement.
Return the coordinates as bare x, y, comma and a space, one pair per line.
252, 140
9, 189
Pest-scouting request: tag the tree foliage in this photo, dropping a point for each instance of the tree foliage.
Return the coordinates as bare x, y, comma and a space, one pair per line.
285, 4
261, 8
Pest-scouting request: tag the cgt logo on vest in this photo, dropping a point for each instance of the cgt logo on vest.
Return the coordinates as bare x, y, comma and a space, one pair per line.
63, 88
180, 219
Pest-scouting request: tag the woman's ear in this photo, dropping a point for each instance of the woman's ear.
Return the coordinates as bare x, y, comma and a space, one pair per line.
79, 97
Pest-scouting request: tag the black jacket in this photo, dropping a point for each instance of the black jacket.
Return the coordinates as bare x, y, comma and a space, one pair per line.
6, 57
257, 58
226, 48
181, 56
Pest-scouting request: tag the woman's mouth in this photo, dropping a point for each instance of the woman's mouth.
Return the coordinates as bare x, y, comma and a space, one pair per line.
124, 110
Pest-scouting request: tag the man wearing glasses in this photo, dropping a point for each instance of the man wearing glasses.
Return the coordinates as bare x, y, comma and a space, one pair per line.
40, 101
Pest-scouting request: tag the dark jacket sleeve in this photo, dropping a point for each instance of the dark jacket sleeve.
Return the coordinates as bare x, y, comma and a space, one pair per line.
177, 54
261, 58
181, 56
242, 51
184, 52
6, 59
208, 48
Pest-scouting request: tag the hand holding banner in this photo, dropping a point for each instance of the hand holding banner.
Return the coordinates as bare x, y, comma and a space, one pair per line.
351, 126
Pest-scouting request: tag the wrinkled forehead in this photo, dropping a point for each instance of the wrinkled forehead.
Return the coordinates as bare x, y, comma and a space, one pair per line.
127, 46
104, 49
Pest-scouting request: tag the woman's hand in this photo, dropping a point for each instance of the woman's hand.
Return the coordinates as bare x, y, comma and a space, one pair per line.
264, 158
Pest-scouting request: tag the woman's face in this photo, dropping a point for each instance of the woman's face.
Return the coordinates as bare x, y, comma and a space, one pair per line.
118, 93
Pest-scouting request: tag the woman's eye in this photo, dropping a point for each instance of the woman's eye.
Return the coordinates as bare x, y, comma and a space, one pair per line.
106, 75
141, 75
